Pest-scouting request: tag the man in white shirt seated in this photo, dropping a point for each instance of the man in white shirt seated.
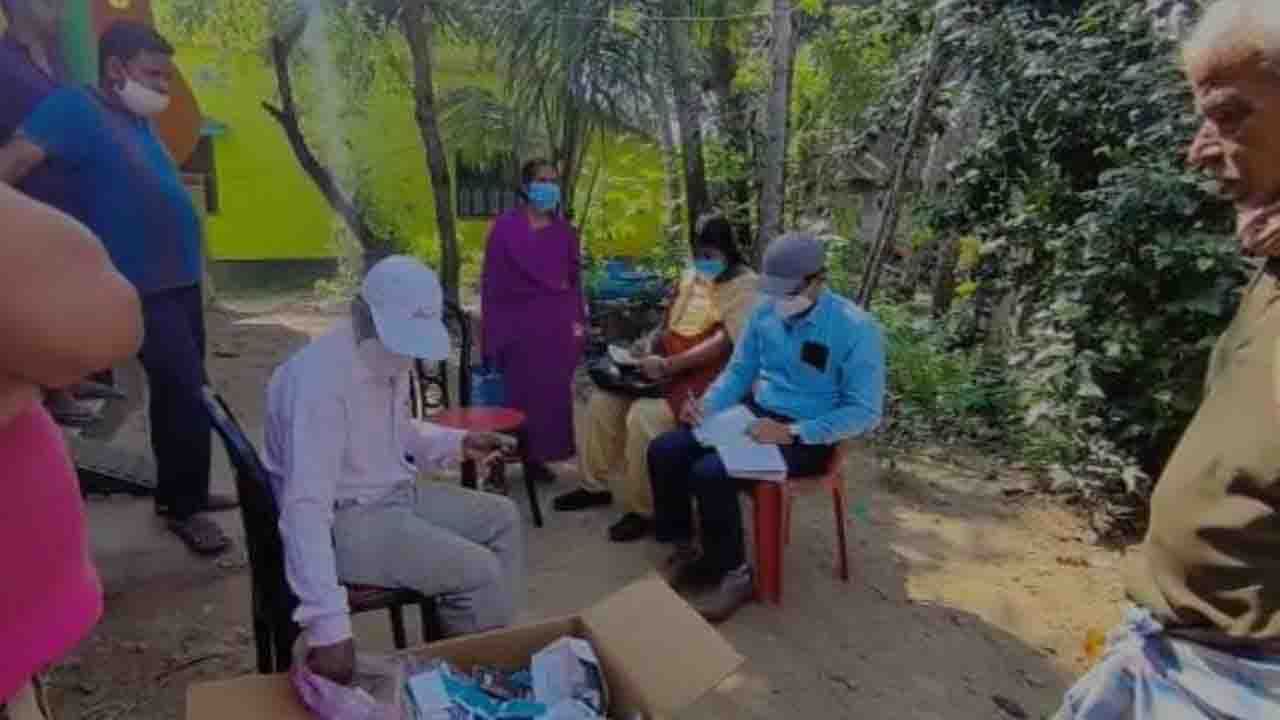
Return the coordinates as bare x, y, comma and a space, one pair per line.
339, 440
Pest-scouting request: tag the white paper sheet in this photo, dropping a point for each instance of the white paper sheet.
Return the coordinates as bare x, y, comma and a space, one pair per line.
430, 698
561, 669
751, 460
743, 457
622, 356
724, 428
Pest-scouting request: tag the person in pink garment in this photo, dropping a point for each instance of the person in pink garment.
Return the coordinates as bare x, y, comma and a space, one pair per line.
64, 313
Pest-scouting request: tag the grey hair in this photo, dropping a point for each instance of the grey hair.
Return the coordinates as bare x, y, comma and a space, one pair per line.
1233, 33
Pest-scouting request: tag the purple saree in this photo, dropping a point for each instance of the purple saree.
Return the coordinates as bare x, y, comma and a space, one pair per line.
533, 325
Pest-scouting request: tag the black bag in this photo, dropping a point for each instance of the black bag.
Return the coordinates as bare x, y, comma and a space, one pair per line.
623, 381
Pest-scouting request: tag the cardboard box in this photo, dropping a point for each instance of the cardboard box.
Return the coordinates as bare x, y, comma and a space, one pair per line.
658, 656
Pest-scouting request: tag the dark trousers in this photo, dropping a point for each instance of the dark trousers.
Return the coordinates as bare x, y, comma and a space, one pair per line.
682, 470
173, 351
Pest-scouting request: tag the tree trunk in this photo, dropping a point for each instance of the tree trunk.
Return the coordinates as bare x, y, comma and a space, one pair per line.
419, 28
773, 182
670, 161
286, 115
734, 120
944, 276
888, 231
917, 267
688, 113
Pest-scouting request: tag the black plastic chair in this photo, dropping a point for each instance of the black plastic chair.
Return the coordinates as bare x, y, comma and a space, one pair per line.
433, 390
274, 631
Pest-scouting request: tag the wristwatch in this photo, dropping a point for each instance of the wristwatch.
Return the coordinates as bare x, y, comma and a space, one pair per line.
795, 433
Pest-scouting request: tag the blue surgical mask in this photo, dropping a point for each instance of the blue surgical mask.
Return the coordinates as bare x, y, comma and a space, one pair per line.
709, 269
543, 196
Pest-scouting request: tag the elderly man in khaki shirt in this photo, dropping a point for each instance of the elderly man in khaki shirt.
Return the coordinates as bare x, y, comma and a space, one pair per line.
707, 315
1203, 640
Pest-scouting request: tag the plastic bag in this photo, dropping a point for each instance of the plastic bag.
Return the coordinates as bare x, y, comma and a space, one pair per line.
375, 694
488, 386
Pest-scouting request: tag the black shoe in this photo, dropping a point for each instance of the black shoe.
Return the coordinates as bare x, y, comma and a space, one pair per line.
630, 528
581, 500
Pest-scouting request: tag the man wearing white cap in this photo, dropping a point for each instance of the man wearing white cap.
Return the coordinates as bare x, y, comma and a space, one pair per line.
810, 366
337, 441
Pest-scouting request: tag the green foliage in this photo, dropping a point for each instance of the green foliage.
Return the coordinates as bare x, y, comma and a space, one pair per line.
939, 395
1077, 189
858, 51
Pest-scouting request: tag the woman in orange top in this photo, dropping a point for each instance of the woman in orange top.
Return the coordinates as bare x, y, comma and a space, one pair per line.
712, 303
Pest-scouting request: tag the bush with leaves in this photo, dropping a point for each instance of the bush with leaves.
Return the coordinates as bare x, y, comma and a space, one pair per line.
1123, 264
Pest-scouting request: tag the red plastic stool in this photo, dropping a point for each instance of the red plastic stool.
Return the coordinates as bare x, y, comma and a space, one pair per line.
489, 419
773, 503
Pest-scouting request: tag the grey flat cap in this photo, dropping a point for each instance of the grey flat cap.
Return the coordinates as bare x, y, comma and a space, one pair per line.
790, 260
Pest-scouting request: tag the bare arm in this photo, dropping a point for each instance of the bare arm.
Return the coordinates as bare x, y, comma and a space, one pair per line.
18, 158
701, 355
64, 310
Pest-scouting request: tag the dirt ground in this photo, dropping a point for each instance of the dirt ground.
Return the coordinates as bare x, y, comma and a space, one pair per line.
968, 598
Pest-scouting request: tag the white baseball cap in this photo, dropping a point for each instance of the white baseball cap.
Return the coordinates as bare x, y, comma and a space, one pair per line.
407, 305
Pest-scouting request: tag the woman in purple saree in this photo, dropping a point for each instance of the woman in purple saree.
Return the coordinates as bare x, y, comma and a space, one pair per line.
533, 315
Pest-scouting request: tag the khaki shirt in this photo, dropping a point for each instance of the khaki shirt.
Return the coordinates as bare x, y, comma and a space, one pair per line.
1210, 564
701, 305
736, 299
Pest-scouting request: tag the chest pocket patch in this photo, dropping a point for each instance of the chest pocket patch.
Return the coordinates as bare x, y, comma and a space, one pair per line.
815, 355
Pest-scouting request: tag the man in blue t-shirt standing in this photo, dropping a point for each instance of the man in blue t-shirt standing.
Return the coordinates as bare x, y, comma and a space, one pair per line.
129, 192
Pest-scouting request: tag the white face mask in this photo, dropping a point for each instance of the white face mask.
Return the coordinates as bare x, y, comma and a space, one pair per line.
380, 361
792, 306
142, 100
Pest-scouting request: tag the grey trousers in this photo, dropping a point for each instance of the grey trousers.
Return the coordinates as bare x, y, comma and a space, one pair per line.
463, 547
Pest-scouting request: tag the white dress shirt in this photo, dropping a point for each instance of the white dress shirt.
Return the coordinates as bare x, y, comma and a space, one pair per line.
337, 433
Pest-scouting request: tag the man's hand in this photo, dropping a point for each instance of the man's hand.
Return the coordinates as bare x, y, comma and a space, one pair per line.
653, 367
771, 432
692, 413
485, 449
335, 662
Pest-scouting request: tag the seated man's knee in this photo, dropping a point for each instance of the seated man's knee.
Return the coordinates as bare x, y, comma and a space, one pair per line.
508, 513
709, 471
664, 451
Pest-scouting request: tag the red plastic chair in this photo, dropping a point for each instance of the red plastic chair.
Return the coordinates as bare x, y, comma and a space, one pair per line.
773, 504
489, 419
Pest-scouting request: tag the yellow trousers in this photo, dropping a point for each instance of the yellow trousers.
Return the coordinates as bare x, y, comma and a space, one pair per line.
615, 443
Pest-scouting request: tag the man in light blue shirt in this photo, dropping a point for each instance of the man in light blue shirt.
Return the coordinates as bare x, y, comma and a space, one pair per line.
810, 366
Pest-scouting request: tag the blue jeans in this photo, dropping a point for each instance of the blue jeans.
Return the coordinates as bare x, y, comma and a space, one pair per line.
681, 470
173, 351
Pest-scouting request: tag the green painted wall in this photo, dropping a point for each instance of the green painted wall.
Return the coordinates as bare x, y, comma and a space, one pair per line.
271, 211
